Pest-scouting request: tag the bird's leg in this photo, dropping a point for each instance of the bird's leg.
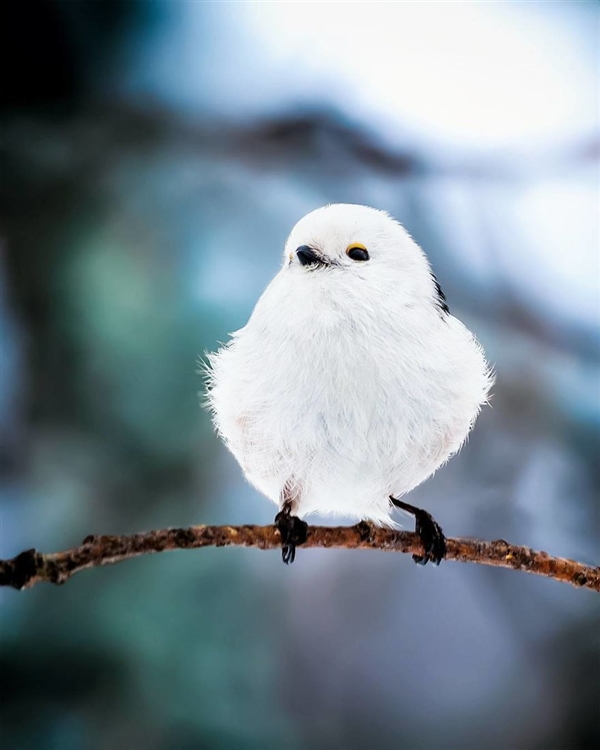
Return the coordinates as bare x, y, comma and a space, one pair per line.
292, 529
429, 531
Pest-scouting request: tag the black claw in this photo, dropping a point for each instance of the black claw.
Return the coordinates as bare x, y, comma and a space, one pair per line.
365, 530
429, 531
293, 532
432, 537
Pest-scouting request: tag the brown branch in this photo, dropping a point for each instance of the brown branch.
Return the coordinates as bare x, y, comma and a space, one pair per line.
33, 567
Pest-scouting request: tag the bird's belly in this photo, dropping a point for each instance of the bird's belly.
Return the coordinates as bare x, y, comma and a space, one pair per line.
347, 441
349, 414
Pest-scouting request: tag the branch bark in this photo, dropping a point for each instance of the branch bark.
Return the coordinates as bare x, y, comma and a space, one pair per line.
32, 567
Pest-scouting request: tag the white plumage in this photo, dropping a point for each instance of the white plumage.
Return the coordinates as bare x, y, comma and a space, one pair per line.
350, 382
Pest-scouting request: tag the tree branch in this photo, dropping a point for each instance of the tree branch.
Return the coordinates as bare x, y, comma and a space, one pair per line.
32, 567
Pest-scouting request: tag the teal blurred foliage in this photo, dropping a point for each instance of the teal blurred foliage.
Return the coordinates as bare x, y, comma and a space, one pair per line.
150, 175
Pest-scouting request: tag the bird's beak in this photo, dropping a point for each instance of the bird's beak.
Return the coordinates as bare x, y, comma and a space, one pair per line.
308, 257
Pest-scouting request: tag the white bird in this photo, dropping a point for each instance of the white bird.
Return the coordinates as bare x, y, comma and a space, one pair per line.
351, 383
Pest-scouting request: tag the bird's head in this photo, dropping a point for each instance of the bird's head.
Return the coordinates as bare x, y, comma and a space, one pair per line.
359, 247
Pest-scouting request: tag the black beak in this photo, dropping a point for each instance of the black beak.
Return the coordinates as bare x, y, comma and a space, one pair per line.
308, 257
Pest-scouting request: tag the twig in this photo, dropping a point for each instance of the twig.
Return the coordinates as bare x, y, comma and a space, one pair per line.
32, 567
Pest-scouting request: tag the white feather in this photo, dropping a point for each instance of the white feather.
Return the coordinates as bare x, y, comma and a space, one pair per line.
348, 383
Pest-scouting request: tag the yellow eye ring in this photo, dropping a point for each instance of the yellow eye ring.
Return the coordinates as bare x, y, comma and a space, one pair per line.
356, 251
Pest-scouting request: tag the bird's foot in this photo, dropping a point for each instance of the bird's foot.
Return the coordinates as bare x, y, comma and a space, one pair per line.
293, 532
433, 539
365, 530
429, 531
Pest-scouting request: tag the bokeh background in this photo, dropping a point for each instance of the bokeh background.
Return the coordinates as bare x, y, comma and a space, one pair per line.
155, 156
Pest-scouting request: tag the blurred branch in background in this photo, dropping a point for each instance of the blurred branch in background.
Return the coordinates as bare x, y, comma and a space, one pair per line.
31, 567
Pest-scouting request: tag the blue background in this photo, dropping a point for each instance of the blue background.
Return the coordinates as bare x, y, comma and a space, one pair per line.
155, 157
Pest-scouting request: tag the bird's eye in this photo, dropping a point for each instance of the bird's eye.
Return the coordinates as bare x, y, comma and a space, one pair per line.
357, 252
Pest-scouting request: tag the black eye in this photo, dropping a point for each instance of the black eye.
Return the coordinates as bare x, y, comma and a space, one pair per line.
357, 252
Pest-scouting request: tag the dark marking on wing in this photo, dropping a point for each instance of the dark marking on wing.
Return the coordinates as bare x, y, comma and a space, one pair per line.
440, 297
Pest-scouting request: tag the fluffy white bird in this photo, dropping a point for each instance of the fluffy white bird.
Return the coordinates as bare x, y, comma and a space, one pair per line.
351, 383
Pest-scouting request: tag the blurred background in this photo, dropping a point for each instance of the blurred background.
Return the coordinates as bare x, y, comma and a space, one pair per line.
155, 156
